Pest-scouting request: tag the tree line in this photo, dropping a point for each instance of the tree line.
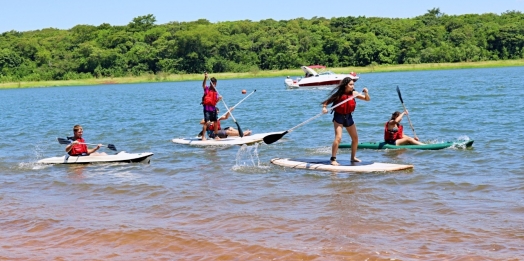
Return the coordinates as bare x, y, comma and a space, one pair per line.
143, 47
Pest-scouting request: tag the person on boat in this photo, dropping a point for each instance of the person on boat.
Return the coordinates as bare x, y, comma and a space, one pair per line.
343, 114
78, 146
222, 133
394, 131
209, 101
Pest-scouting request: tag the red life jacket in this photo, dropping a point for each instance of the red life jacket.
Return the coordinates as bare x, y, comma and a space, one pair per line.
210, 97
390, 135
347, 107
78, 149
212, 126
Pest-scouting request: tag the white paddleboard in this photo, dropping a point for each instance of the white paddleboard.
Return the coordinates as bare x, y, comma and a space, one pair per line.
120, 157
229, 141
345, 165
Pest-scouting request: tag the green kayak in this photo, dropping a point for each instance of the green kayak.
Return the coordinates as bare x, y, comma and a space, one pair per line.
434, 146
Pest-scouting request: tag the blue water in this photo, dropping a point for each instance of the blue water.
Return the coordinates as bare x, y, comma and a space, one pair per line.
456, 203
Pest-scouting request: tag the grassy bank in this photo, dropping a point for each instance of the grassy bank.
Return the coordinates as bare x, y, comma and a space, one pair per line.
262, 74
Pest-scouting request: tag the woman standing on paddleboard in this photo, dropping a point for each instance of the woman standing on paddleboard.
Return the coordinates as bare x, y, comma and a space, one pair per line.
343, 114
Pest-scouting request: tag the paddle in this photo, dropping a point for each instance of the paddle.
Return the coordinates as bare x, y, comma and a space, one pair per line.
67, 142
240, 132
274, 137
409, 120
236, 105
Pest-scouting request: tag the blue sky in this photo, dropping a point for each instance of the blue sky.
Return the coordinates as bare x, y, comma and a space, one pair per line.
26, 15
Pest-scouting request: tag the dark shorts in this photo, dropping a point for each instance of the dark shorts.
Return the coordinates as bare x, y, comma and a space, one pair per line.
345, 119
221, 134
391, 142
210, 115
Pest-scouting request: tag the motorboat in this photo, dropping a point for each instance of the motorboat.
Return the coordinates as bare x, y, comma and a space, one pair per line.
314, 79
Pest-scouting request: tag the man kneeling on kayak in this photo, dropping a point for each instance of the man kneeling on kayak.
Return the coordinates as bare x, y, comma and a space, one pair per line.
79, 147
394, 132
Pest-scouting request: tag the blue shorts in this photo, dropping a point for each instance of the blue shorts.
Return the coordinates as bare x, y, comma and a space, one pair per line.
210, 116
345, 119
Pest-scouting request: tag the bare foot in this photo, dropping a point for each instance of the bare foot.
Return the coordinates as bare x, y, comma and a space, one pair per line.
247, 133
355, 160
334, 163
203, 138
217, 138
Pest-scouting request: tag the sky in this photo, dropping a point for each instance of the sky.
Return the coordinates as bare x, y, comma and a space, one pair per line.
28, 15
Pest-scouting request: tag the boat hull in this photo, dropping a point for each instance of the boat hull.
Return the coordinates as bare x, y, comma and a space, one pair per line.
435, 146
120, 157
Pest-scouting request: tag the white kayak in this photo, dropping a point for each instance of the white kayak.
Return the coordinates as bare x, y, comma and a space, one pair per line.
122, 156
231, 140
345, 165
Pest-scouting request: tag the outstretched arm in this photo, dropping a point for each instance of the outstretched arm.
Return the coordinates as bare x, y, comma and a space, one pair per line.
204, 82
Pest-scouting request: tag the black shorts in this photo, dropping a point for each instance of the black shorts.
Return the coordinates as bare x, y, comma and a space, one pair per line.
210, 116
391, 142
221, 134
345, 119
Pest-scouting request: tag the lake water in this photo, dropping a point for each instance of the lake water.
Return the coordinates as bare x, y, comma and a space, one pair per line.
231, 203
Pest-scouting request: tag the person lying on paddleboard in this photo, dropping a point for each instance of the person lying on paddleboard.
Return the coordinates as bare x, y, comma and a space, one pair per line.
222, 133
343, 114
394, 131
209, 101
78, 146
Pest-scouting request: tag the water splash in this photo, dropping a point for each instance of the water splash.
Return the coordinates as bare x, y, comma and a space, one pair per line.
247, 158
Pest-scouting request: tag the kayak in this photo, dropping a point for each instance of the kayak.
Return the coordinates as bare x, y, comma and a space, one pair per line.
120, 157
345, 165
434, 146
229, 141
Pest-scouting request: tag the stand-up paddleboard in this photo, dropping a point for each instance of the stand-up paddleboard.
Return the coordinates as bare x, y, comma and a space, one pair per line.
345, 165
229, 141
120, 157
434, 146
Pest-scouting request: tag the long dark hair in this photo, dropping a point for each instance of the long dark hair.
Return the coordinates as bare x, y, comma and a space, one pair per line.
338, 91
394, 117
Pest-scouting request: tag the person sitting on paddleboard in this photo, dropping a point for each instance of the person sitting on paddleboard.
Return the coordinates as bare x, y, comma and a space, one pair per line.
222, 133
394, 131
209, 101
78, 146
343, 114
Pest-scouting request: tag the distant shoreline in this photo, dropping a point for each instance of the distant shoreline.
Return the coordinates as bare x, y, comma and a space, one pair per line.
261, 74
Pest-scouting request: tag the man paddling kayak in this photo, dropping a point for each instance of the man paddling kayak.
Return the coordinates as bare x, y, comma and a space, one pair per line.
79, 147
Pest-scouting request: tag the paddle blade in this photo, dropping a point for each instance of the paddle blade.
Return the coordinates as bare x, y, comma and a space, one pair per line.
64, 141
111, 147
240, 132
274, 137
399, 95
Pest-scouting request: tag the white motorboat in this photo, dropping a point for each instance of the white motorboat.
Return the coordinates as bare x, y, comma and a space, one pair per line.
314, 79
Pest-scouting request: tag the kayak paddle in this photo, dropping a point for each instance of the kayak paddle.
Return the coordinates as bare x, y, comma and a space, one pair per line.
67, 142
409, 120
240, 132
274, 137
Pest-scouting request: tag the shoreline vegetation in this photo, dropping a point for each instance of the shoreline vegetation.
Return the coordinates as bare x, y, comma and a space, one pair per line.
166, 77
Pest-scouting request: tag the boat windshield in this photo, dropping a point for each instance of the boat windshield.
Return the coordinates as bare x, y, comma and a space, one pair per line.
326, 73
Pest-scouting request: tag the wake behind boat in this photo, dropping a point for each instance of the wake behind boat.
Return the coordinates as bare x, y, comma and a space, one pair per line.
122, 156
229, 141
314, 79
434, 146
